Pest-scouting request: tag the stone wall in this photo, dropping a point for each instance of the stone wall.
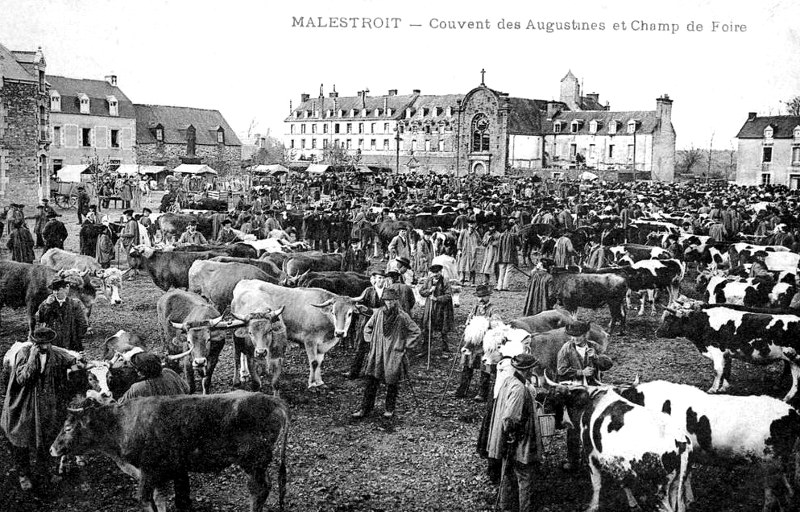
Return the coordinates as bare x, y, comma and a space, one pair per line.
20, 142
223, 159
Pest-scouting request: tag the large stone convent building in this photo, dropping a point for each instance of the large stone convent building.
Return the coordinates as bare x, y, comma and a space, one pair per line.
485, 131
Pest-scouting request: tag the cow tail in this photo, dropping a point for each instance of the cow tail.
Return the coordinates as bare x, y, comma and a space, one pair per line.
282, 467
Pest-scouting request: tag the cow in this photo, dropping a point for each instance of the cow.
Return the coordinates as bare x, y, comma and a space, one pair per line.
298, 264
117, 352
706, 256
265, 265
215, 281
747, 292
637, 252
649, 276
544, 321
628, 443
261, 335
59, 259
314, 318
160, 439
577, 289
728, 429
167, 269
180, 312
237, 250
782, 261
27, 285
172, 225
742, 252
351, 284
723, 332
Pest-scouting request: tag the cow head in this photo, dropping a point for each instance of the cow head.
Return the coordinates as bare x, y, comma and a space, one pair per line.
574, 397
111, 282
341, 311
692, 253
674, 320
83, 425
198, 339
266, 330
137, 254
98, 375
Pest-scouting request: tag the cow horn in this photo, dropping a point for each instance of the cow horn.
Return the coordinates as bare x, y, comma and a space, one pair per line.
637, 380
175, 357
360, 298
214, 321
230, 324
75, 410
324, 304
84, 273
547, 380
277, 313
178, 325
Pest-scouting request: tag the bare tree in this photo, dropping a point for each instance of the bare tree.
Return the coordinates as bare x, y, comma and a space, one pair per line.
690, 159
793, 106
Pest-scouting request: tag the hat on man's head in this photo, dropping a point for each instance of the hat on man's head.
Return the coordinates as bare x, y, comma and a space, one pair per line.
436, 268
482, 290
523, 361
403, 261
227, 222
92, 206
51, 215
58, 284
147, 364
393, 274
43, 335
128, 212
81, 188
378, 272
148, 210
390, 293
577, 329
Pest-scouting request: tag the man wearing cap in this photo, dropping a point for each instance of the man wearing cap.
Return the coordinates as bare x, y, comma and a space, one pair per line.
104, 250
514, 436
83, 203
154, 380
354, 259
191, 236
54, 232
577, 362
507, 255
226, 234
400, 247
405, 291
64, 315
471, 362
147, 223
391, 332
468, 242
41, 220
36, 399
373, 299
438, 315
20, 243
130, 238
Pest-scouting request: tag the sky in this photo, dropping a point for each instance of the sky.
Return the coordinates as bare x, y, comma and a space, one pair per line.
250, 58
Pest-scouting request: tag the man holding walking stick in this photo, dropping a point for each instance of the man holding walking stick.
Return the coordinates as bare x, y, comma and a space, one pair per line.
439, 309
391, 332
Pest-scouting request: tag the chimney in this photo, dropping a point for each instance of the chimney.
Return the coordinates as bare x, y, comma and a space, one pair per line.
415, 91
553, 108
595, 97
333, 93
385, 105
304, 97
664, 109
262, 143
751, 116
112, 79
392, 92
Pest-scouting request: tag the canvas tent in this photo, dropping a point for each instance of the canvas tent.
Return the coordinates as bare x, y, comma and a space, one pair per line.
270, 169
72, 173
194, 169
133, 169
317, 168
586, 175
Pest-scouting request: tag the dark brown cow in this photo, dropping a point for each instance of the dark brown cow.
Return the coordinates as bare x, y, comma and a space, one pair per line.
298, 264
168, 269
576, 289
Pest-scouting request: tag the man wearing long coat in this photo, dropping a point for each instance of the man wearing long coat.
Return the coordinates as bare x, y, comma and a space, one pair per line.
468, 243
506, 255
65, 315
20, 243
54, 232
104, 251
35, 404
391, 332
438, 315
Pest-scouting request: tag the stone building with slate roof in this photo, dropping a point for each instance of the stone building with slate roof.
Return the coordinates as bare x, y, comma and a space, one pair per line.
24, 127
90, 120
769, 151
484, 131
171, 136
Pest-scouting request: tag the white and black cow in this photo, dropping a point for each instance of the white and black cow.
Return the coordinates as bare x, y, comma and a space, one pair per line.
628, 443
722, 332
727, 429
632, 253
706, 256
747, 292
649, 276
742, 252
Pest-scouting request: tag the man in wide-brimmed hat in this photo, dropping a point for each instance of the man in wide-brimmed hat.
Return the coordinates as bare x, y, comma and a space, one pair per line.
472, 362
35, 404
438, 315
64, 315
54, 232
514, 436
154, 379
373, 299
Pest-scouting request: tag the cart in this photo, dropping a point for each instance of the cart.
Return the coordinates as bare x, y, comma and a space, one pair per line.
64, 193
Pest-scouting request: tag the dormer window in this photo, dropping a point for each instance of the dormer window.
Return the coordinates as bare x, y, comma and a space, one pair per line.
341, 113
408, 112
557, 127
55, 101
424, 111
575, 125
388, 112
159, 133
377, 112
113, 106
593, 126
306, 114
612, 127
220, 136
296, 114
768, 132
84, 103
449, 111
352, 112
363, 112
797, 133
632, 126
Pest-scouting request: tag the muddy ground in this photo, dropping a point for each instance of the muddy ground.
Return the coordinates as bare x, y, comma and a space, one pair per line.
423, 459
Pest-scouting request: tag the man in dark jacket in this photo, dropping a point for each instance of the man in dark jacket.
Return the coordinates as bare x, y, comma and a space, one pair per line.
83, 203
438, 315
64, 315
20, 243
373, 300
354, 260
54, 232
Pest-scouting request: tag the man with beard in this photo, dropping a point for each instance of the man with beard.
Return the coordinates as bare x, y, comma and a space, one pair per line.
391, 332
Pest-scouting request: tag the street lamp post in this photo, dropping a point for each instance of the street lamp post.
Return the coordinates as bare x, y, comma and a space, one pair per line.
634, 153
397, 140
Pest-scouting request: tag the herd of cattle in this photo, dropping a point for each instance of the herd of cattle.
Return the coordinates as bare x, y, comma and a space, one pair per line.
267, 299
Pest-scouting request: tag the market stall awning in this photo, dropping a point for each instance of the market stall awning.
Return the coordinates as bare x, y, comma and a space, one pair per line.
317, 168
72, 173
363, 169
133, 169
586, 175
271, 169
195, 169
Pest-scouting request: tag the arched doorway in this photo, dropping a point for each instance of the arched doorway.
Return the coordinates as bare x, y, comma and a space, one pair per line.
478, 168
